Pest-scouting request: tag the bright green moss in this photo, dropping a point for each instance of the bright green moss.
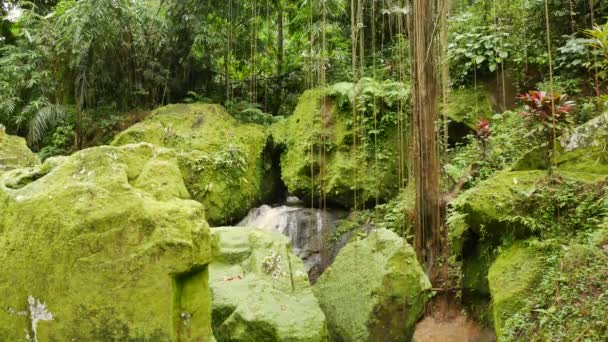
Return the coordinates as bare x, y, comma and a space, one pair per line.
468, 105
226, 165
511, 278
374, 291
260, 289
490, 207
550, 291
14, 153
320, 156
590, 160
105, 244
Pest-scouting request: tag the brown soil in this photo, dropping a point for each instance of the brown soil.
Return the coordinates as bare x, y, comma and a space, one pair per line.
447, 322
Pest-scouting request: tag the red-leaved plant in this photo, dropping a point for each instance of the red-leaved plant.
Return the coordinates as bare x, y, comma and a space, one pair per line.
484, 131
549, 115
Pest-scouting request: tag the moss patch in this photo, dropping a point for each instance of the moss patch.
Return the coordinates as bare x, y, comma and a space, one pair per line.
226, 165
492, 209
468, 105
14, 153
511, 276
103, 250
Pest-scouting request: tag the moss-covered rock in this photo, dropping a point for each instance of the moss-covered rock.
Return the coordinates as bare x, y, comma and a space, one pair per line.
225, 164
374, 291
97, 247
511, 278
548, 291
490, 207
327, 154
260, 289
14, 152
469, 105
582, 150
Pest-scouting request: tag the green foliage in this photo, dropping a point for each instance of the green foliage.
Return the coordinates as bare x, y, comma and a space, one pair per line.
599, 42
574, 54
378, 104
471, 162
248, 113
86, 54
569, 299
60, 143
481, 49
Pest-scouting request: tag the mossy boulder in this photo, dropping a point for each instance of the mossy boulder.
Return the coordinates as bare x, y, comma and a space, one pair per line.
490, 206
511, 278
97, 247
328, 154
226, 165
374, 291
582, 150
260, 289
468, 105
548, 291
14, 152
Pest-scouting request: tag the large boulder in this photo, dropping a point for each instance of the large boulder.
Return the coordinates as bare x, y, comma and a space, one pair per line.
103, 246
260, 289
374, 291
328, 154
14, 152
493, 207
225, 164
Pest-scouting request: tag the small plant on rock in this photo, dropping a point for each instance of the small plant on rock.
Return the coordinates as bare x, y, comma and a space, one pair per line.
484, 131
549, 115
272, 265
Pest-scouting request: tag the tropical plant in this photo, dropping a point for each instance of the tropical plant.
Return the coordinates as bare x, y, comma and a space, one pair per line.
484, 131
599, 42
548, 116
482, 49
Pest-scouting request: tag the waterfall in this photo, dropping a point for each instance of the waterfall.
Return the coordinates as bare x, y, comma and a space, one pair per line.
311, 231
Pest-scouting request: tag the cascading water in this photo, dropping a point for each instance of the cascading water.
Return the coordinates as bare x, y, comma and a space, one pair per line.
311, 231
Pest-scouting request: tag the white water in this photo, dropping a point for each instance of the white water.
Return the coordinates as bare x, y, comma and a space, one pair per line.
311, 232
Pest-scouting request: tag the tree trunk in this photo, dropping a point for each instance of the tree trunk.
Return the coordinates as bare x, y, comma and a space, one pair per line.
425, 101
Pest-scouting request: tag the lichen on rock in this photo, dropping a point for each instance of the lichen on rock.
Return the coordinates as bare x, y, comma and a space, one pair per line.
107, 253
260, 289
374, 291
225, 165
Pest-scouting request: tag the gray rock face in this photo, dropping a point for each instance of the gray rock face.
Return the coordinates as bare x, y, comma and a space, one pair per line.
310, 232
589, 134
